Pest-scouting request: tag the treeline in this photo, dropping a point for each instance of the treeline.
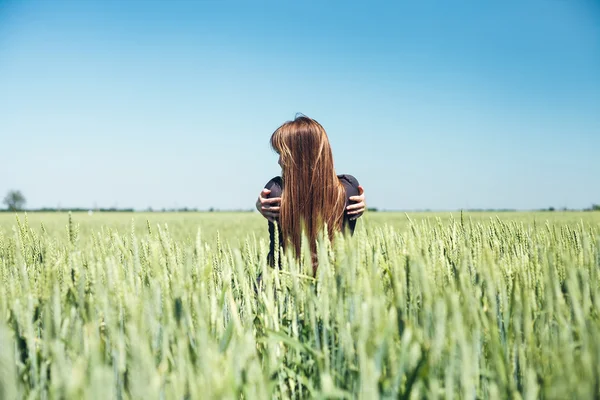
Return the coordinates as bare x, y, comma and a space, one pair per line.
114, 209
593, 207
68, 209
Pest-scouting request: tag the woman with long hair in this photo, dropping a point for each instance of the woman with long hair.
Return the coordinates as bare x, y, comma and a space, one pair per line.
309, 195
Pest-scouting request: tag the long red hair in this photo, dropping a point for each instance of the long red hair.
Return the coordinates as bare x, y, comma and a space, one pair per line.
312, 193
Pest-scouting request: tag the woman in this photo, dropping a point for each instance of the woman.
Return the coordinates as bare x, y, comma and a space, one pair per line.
309, 194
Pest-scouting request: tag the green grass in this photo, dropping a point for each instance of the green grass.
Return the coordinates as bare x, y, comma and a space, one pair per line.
417, 306
236, 226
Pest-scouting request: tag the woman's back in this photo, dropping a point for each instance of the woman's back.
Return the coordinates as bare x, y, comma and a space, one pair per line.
312, 195
275, 185
351, 187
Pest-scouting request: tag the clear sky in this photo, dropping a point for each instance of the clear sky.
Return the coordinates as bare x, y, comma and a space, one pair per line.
430, 104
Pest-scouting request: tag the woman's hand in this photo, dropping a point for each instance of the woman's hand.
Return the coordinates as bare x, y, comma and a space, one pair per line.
269, 208
359, 206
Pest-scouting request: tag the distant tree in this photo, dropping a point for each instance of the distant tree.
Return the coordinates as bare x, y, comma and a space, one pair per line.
595, 207
14, 200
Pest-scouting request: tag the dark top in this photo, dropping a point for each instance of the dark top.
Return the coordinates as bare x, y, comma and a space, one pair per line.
275, 185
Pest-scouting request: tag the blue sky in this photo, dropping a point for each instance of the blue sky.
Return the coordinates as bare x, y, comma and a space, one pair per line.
430, 104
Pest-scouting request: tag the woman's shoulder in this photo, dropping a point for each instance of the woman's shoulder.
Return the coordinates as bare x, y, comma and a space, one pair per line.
350, 184
348, 180
275, 185
276, 181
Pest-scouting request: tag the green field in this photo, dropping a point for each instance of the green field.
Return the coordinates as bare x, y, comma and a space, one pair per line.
237, 226
418, 305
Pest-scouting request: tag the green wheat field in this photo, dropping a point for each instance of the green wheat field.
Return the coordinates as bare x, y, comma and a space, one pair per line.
413, 306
